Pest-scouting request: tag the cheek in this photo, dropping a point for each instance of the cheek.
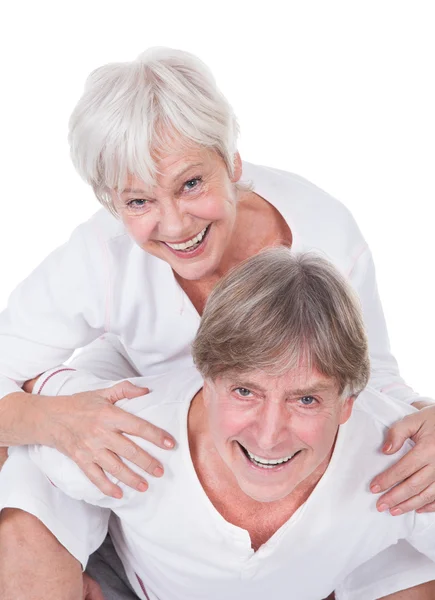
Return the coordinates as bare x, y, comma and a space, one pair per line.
139, 228
317, 433
227, 421
217, 206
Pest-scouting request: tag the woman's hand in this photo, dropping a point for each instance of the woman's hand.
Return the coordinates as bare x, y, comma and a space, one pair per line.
413, 476
89, 429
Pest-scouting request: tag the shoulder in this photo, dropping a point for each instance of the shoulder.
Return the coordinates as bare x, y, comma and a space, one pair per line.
103, 226
319, 222
169, 397
373, 414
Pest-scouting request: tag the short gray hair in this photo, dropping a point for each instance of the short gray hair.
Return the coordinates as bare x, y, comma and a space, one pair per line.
278, 310
130, 110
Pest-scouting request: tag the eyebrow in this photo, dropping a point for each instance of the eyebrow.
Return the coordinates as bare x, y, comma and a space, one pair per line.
293, 392
177, 176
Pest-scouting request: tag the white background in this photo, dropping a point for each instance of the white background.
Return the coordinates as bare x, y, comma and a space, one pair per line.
341, 92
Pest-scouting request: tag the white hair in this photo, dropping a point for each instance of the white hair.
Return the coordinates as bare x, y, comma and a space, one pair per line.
131, 110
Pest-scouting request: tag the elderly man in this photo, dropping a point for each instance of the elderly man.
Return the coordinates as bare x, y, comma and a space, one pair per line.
267, 493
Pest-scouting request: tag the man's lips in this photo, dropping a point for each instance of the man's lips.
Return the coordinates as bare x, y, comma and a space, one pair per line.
270, 463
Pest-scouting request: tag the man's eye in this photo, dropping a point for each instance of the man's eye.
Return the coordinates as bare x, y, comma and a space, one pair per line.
307, 401
245, 393
192, 183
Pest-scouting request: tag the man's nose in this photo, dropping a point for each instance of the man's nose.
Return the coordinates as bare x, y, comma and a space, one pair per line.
271, 424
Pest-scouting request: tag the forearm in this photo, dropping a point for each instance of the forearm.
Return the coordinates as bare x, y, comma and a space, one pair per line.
22, 419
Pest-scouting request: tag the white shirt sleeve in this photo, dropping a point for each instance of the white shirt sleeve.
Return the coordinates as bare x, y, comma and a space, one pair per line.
385, 375
58, 308
423, 536
66, 476
99, 365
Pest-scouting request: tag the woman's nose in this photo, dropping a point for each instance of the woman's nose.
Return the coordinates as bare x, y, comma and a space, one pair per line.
172, 222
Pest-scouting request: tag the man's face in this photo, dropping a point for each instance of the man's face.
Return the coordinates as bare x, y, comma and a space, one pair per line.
274, 432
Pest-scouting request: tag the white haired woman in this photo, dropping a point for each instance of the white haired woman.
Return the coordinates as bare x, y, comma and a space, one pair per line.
157, 141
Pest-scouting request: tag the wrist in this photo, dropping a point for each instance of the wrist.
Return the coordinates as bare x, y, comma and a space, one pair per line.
21, 420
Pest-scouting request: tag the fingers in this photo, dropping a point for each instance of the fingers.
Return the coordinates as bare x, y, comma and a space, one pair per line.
400, 432
422, 499
96, 474
413, 493
125, 448
413, 461
123, 389
427, 508
134, 425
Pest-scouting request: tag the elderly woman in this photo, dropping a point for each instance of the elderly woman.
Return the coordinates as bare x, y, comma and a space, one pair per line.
269, 444
157, 141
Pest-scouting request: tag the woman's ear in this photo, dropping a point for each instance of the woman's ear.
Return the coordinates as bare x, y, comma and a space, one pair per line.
237, 168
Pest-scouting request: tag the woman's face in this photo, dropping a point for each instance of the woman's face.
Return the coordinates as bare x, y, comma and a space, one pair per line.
187, 218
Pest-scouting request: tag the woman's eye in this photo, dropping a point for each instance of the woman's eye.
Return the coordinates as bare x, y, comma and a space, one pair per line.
192, 183
137, 203
307, 400
245, 393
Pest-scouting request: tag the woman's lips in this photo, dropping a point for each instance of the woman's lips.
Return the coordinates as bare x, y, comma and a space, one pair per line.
187, 254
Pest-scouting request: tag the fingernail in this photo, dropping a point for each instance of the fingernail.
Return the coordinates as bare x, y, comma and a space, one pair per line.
118, 494
383, 507
375, 488
143, 486
168, 443
158, 472
395, 512
387, 447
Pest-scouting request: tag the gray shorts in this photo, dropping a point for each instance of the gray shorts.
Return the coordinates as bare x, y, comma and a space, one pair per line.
106, 568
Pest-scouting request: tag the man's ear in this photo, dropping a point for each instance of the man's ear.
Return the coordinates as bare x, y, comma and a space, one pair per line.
346, 409
207, 392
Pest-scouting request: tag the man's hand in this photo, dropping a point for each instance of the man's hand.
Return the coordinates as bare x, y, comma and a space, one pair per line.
413, 476
3, 456
29, 384
91, 589
89, 429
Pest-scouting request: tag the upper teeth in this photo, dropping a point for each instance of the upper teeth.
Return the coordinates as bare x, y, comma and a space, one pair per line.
189, 243
265, 461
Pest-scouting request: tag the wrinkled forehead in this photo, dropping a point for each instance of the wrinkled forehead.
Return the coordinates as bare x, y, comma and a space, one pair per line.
300, 380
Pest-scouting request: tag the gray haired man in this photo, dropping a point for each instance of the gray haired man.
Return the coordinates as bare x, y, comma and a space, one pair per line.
274, 457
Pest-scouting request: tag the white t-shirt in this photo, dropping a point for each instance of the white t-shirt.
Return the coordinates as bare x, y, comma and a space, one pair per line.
102, 282
175, 545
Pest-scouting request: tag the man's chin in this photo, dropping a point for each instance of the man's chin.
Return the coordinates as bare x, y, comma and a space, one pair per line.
265, 494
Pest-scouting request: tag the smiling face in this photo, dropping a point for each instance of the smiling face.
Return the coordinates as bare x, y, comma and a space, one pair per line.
188, 217
275, 432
